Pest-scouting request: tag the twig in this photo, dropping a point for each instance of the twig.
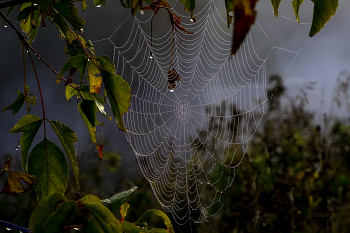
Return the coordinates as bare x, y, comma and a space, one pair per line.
24, 81
13, 3
13, 226
41, 94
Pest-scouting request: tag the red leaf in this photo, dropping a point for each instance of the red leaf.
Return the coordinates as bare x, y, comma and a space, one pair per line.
100, 151
245, 15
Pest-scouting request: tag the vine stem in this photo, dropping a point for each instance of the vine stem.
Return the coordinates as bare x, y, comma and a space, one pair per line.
41, 94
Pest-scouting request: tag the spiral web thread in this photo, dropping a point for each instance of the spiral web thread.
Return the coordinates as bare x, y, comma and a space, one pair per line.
190, 142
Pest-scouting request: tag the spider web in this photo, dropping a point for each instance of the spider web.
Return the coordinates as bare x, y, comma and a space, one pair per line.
190, 141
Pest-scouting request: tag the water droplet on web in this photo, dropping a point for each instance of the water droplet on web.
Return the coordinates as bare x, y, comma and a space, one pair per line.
9, 229
98, 6
151, 56
142, 12
35, 4
191, 20
76, 228
5, 25
172, 90
230, 13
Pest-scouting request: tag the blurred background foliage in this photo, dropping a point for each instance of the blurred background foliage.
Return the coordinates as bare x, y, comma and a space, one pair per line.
295, 167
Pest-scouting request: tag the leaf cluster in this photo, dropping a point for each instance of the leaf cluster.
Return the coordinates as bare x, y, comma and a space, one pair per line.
56, 213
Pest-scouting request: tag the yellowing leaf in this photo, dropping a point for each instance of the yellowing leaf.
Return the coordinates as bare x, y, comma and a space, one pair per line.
94, 80
323, 11
296, 5
123, 210
13, 184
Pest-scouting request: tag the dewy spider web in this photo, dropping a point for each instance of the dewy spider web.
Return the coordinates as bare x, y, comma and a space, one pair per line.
190, 142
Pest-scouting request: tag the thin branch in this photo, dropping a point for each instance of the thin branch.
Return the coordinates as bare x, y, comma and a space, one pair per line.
13, 3
24, 81
41, 94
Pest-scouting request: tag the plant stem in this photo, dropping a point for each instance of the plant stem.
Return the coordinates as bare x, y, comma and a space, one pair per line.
41, 94
24, 81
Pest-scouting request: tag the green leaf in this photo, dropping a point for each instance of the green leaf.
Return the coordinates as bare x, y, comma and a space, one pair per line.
130, 227
29, 126
24, 14
189, 5
45, 6
119, 94
88, 110
105, 63
67, 9
43, 210
99, 3
32, 23
83, 5
115, 202
63, 216
98, 218
88, 44
275, 5
229, 9
10, 10
68, 138
62, 26
126, 4
118, 91
17, 105
79, 62
48, 163
296, 5
323, 11
70, 91
143, 220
